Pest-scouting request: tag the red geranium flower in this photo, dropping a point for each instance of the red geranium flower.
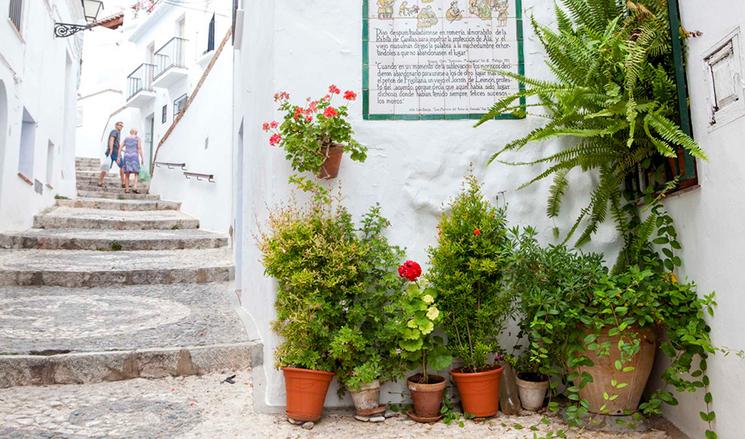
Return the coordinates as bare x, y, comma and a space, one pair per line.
330, 112
275, 139
274, 124
476, 232
350, 95
308, 118
283, 95
410, 270
265, 126
334, 90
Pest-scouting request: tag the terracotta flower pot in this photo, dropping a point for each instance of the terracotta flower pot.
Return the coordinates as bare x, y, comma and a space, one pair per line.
330, 167
532, 388
306, 390
604, 370
427, 397
367, 398
479, 391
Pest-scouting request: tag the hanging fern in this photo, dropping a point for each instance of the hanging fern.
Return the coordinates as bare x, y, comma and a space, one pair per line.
612, 99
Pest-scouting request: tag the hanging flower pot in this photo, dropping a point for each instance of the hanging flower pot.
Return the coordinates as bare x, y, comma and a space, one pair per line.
367, 399
604, 372
306, 391
427, 397
330, 167
479, 391
532, 388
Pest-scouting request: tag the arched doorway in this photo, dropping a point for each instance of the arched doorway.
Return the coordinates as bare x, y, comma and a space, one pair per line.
3, 132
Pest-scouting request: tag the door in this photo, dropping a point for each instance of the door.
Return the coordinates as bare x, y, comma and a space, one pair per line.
149, 127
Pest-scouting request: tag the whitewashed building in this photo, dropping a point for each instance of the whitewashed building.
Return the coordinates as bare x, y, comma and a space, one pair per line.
415, 164
37, 107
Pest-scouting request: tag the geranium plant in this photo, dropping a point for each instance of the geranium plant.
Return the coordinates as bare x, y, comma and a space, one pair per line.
308, 132
418, 318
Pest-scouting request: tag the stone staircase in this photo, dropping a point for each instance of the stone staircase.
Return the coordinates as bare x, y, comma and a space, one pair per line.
112, 286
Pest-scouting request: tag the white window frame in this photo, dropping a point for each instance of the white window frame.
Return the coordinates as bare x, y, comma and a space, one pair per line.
728, 48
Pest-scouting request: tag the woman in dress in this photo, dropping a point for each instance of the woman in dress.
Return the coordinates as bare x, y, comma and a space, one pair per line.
130, 157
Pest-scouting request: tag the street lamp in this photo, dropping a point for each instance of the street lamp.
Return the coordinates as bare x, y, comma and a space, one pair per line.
91, 9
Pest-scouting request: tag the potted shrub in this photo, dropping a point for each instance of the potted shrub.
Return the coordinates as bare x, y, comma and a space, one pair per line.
419, 317
313, 254
314, 136
365, 346
468, 270
532, 385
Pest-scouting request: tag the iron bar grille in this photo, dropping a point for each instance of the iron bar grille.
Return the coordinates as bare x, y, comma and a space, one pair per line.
141, 79
170, 55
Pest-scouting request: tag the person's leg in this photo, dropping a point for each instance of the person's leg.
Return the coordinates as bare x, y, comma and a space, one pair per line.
126, 183
137, 178
100, 178
121, 175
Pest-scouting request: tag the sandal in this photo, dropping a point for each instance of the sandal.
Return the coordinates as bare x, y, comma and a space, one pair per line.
126, 191
100, 185
135, 191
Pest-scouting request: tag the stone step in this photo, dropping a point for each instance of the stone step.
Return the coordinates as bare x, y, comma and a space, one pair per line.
116, 195
106, 204
87, 161
53, 335
106, 268
73, 218
126, 240
112, 186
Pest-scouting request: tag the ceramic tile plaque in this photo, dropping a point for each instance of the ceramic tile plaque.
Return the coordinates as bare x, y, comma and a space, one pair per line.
431, 59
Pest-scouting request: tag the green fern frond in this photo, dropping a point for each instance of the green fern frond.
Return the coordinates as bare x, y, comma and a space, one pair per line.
556, 193
671, 133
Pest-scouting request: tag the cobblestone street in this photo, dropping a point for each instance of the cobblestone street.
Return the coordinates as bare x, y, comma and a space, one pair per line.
205, 407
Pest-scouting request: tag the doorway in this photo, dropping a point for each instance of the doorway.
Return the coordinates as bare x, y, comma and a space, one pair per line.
149, 128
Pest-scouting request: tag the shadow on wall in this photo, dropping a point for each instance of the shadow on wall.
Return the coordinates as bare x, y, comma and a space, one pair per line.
3, 131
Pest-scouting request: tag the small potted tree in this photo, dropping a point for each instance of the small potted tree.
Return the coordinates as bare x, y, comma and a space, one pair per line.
419, 317
468, 269
314, 136
314, 256
365, 347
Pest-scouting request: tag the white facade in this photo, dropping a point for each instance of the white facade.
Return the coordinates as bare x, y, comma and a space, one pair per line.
709, 218
413, 167
39, 77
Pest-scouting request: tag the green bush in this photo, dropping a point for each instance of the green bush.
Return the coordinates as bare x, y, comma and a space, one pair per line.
468, 267
315, 256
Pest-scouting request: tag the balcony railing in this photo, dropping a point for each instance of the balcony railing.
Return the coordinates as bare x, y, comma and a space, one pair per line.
170, 55
141, 79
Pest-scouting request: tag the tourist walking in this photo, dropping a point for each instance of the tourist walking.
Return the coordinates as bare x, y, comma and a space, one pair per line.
112, 154
130, 157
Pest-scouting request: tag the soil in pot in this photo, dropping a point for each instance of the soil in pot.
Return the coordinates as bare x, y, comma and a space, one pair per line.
532, 388
604, 371
330, 167
306, 391
367, 398
479, 391
427, 396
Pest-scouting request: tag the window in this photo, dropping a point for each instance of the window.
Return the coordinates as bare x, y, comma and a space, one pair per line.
15, 12
26, 153
164, 114
179, 105
211, 35
723, 77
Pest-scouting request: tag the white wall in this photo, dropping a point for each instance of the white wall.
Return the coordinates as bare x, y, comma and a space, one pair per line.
709, 220
40, 73
202, 140
413, 167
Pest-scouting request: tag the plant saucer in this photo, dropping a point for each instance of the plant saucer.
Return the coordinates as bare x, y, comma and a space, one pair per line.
423, 419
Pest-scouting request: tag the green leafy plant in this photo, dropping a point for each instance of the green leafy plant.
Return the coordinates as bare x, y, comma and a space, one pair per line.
365, 348
419, 317
307, 132
612, 100
314, 255
468, 267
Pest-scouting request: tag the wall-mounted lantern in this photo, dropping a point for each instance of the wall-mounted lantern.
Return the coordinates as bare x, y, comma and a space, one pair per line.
91, 9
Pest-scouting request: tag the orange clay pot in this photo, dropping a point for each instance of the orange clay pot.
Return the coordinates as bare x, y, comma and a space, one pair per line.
479, 391
306, 391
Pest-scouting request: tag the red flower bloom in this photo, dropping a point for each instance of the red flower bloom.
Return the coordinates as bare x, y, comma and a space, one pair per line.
281, 96
265, 126
410, 270
275, 139
334, 90
308, 118
476, 232
350, 95
274, 124
326, 98
298, 112
330, 112
313, 105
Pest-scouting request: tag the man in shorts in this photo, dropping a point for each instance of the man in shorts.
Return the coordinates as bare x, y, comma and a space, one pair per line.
112, 152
